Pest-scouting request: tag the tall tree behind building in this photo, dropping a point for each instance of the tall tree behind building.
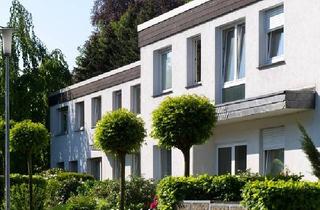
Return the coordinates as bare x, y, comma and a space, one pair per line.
114, 42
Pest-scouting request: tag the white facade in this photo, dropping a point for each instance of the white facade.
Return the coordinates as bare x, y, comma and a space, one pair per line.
295, 69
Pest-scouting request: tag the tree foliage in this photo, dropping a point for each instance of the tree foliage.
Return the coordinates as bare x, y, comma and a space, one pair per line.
114, 42
182, 122
29, 138
120, 132
311, 151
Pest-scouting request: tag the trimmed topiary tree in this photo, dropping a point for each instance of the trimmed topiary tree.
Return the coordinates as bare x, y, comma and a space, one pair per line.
120, 132
29, 138
182, 122
311, 151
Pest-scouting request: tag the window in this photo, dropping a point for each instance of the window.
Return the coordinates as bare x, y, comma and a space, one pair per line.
165, 158
95, 110
194, 60
80, 116
136, 99
232, 159
165, 69
117, 100
60, 165
116, 168
274, 35
73, 166
136, 164
63, 118
273, 150
94, 167
233, 63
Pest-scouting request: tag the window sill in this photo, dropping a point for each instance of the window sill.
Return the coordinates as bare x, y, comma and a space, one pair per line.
166, 92
194, 85
270, 65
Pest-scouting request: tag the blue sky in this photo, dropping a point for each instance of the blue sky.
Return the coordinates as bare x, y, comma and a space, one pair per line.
63, 24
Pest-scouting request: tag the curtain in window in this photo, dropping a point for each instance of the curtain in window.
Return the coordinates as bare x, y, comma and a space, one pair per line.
96, 110
274, 161
241, 51
166, 68
229, 57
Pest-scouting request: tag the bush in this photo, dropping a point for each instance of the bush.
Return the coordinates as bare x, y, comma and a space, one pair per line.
63, 185
139, 193
172, 190
18, 179
81, 203
20, 197
284, 195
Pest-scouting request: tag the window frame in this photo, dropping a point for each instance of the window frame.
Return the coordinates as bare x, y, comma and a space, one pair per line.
161, 52
63, 111
94, 118
193, 61
114, 97
169, 168
135, 105
236, 81
80, 123
277, 10
233, 153
71, 165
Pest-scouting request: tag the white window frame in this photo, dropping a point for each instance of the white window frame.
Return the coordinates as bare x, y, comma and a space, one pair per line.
94, 118
134, 102
280, 145
277, 10
114, 97
61, 111
233, 155
78, 115
235, 81
192, 61
161, 52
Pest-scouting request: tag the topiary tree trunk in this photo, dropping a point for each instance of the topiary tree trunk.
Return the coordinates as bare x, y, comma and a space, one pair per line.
122, 158
186, 155
29, 162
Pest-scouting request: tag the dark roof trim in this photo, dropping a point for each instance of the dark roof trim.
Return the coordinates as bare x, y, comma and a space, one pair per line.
190, 18
98, 85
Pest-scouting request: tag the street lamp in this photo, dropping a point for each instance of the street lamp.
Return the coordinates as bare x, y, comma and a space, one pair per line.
7, 43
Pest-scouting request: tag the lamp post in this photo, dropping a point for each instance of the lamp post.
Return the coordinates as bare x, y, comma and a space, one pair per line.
7, 43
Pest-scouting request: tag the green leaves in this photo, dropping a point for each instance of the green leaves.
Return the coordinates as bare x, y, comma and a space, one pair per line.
183, 121
119, 131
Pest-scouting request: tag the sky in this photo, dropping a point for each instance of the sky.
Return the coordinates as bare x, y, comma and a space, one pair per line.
63, 24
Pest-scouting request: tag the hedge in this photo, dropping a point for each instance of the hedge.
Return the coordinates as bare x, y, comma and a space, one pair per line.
172, 190
284, 195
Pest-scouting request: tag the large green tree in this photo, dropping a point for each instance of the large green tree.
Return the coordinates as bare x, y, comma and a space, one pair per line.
29, 138
120, 132
182, 122
114, 42
35, 73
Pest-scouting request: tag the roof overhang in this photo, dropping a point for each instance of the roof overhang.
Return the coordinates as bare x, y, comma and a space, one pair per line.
284, 102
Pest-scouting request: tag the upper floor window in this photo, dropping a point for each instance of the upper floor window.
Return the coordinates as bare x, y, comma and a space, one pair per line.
166, 69
274, 35
234, 53
194, 60
63, 120
233, 64
136, 99
95, 110
80, 116
117, 100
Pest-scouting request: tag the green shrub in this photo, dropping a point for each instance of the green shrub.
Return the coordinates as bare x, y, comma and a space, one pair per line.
172, 190
19, 197
139, 193
63, 185
284, 195
81, 203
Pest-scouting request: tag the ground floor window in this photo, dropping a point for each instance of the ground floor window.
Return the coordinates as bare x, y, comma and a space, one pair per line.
73, 166
60, 165
166, 164
136, 164
273, 143
94, 167
232, 159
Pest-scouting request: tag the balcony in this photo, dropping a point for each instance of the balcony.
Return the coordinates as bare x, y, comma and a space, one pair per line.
280, 103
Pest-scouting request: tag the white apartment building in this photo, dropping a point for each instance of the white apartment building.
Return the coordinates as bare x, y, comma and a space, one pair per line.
257, 60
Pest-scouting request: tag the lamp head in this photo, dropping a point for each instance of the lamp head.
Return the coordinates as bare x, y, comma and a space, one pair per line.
6, 40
